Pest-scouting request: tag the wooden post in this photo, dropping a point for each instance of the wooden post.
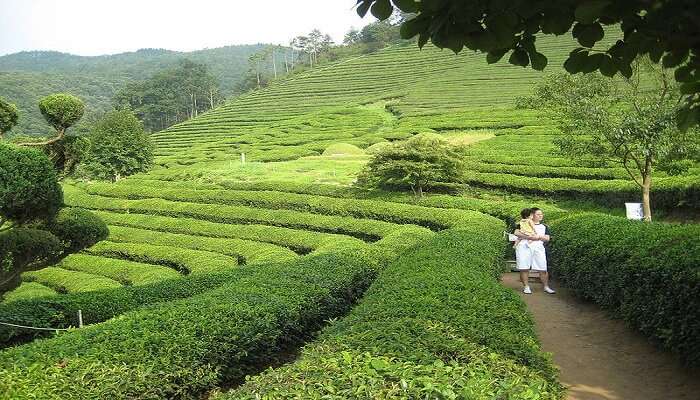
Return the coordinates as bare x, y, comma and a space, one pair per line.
80, 318
243, 158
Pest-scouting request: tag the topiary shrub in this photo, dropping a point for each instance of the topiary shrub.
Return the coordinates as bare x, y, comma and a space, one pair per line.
20, 247
78, 228
29, 188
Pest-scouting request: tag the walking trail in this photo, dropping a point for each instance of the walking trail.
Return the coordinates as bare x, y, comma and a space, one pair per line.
601, 358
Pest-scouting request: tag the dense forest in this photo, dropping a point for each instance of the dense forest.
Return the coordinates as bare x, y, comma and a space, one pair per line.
26, 77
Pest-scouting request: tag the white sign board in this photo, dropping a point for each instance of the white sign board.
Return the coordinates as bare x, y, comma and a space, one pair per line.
634, 211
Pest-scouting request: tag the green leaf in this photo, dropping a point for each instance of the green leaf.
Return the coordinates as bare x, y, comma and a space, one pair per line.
379, 364
413, 27
407, 6
590, 11
538, 60
588, 35
363, 7
557, 23
574, 63
655, 54
592, 62
690, 88
684, 74
674, 59
607, 66
422, 40
382, 9
624, 67
519, 57
495, 56
687, 117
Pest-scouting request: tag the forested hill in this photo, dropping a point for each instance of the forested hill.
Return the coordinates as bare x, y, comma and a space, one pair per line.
27, 76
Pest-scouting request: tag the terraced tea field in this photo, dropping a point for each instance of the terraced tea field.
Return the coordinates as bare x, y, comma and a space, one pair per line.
216, 268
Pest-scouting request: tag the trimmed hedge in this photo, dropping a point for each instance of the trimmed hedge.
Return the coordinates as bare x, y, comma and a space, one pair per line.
185, 347
245, 251
123, 271
505, 210
435, 324
665, 192
98, 306
433, 218
78, 228
65, 281
365, 229
28, 290
185, 261
646, 274
300, 241
20, 247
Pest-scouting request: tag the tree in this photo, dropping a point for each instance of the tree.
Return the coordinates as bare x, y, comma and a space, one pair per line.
351, 37
29, 188
120, 147
171, 95
667, 31
632, 125
61, 111
9, 116
418, 163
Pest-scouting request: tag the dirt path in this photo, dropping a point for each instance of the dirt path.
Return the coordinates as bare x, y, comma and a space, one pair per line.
601, 358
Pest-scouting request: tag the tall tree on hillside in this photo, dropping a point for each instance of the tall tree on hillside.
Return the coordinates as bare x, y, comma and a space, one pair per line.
171, 96
632, 125
351, 37
255, 60
666, 31
9, 116
120, 147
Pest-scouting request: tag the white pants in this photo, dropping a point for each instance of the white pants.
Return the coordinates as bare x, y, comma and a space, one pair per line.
531, 256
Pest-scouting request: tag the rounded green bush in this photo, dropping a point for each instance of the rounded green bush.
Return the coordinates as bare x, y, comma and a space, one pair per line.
29, 188
345, 149
61, 110
21, 246
78, 228
377, 147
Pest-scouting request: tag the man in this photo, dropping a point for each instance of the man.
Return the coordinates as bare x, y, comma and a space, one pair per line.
530, 253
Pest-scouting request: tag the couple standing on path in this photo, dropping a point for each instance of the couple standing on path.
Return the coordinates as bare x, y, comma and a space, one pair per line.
530, 251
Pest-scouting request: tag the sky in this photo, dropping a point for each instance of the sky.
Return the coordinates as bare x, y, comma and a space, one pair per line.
97, 27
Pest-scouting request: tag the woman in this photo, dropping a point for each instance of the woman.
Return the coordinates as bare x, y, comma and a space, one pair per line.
530, 254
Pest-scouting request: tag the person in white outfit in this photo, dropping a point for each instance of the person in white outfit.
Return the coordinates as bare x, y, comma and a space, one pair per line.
530, 254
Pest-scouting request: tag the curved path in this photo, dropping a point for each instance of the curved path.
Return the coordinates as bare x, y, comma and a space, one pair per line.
601, 358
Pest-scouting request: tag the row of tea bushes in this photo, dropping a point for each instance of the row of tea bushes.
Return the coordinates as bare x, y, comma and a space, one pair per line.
185, 347
370, 230
245, 251
185, 261
666, 192
300, 241
66, 281
645, 273
435, 324
123, 271
270, 199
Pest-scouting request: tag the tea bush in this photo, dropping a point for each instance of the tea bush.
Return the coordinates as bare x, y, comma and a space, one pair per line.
644, 273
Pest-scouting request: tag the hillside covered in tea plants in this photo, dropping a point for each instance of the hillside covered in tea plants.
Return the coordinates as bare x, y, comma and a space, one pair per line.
247, 246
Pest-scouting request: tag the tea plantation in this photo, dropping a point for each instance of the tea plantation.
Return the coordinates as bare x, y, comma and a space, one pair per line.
216, 269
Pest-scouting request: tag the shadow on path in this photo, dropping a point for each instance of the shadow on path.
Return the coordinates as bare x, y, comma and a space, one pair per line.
601, 358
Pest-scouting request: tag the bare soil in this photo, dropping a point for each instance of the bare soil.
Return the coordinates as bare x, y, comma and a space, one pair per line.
601, 358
